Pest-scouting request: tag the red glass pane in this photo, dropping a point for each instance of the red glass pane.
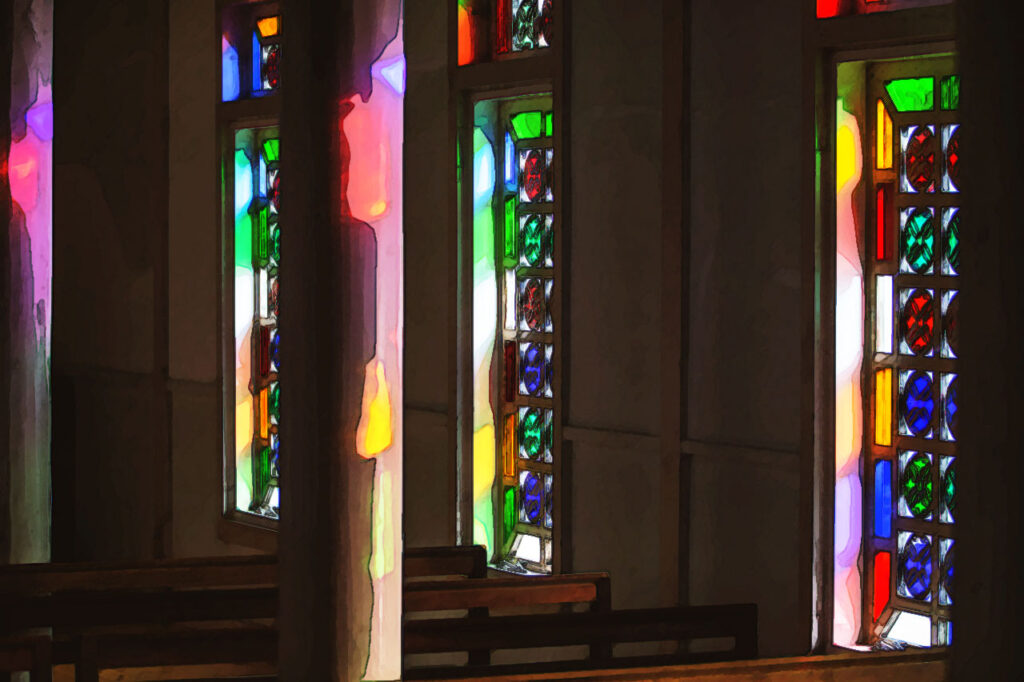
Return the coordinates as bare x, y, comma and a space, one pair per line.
828, 8
882, 233
511, 376
502, 36
533, 175
882, 569
263, 351
918, 321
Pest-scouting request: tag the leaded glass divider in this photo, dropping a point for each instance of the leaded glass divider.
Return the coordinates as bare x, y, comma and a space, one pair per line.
911, 266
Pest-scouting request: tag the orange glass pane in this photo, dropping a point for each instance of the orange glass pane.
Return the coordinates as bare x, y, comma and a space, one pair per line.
264, 426
883, 407
269, 26
465, 37
883, 137
508, 450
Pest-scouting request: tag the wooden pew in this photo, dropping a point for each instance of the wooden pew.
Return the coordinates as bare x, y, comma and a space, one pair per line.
31, 654
681, 624
426, 562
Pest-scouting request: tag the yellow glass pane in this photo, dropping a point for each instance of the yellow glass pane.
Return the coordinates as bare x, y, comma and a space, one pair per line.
883, 407
508, 451
264, 427
883, 137
269, 26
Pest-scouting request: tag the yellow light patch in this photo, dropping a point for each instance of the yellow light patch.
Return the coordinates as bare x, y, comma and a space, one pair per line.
846, 156
383, 529
268, 27
375, 424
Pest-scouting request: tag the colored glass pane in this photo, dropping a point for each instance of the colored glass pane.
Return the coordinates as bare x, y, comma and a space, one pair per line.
268, 26
917, 322
230, 82
274, 404
883, 137
509, 511
264, 414
883, 231
915, 567
951, 146
535, 370
951, 409
883, 406
531, 24
946, 572
508, 449
949, 491
532, 175
919, 154
912, 94
502, 39
883, 568
270, 67
917, 240
883, 314
511, 243
531, 492
535, 426
950, 325
949, 92
510, 371
532, 305
951, 258
535, 232
272, 149
528, 124
917, 405
548, 500
510, 163
275, 350
509, 305
883, 499
916, 486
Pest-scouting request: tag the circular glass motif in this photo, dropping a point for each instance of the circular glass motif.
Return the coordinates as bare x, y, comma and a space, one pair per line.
920, 159
531, 433
544, 22
949, 487
273, 65
534, 241
953, 157
949, 405
531, 304
946, 572
534, 371
275, 244
533, 175
917, 405
916, 485
275, 401
532, 488
916, 566
950, 326
274, 193
918, 321
919, 240
953, 242
275, 350
275, 456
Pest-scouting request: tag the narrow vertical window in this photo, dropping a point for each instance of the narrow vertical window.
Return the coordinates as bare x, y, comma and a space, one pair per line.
496, 29
907, 291
250, 69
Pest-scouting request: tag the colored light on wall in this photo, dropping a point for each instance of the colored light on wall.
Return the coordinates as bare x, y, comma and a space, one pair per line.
883, 499
230, 87
392, 72
883, 142
375, 433
882, 573
883, 406
368, 193
883, 314
912, 94
268, 27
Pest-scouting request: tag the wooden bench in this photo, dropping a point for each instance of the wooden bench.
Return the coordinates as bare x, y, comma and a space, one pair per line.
680, 625
427, 562
26, 654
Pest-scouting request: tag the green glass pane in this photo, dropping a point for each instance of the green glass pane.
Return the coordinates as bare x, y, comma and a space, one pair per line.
527, 124
275, 401
243, 240
916, 485
275, 243
912, 94
511, 245
953, 242
262, 236
549, 125
949, 88
532, 432
533, 241
271, 149
919, 241
261, 477
949, 487
509, 511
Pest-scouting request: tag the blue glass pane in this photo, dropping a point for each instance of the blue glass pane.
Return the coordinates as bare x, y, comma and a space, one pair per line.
951, 409
883, 498
230, 88
916, 566
275, 350
257, 78
530, 492
917, 404
510, 163
534, 369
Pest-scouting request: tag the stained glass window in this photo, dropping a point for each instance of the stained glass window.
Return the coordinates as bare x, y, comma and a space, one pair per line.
250, 51
910, 276
257, 342
839, 8
514, 332
495, 29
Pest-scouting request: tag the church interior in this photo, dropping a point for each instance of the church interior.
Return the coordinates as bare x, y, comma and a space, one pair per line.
622, 340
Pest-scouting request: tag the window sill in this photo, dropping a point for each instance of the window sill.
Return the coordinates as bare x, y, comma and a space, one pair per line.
236, 528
